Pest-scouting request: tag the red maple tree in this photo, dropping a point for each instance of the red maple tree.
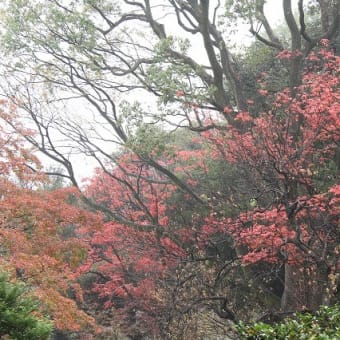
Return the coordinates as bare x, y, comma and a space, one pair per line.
288, 152
292, 217
34, 224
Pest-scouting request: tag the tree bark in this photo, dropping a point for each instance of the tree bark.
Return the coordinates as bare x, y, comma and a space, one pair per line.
305, 287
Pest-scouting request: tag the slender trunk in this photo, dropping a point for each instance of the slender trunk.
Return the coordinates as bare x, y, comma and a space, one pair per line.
305, 287
305, 282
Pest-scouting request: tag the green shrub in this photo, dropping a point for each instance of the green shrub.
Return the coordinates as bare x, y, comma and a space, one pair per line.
17, 319
323, 325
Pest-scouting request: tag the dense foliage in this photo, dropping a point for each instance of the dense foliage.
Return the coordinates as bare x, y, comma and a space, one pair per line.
17, 318
300, 231
216, 191
38, 241
324, 324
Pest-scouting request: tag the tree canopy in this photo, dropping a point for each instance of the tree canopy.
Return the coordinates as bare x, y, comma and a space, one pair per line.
216, 193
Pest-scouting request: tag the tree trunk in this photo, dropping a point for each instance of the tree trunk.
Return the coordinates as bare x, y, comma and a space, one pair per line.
305, 287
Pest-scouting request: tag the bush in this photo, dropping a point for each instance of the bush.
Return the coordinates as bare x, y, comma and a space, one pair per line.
17, 319
323, 325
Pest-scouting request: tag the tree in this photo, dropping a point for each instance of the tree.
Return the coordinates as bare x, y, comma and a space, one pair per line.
86, 50
299, 231
286, 163
33, 241
131, 264
17, 318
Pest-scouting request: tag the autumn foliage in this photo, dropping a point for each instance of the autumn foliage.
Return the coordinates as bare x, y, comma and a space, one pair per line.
157, 249
292, 217
287, 151
34, 243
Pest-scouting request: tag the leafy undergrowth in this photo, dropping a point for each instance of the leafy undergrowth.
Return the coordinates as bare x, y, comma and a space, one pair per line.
323, 325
